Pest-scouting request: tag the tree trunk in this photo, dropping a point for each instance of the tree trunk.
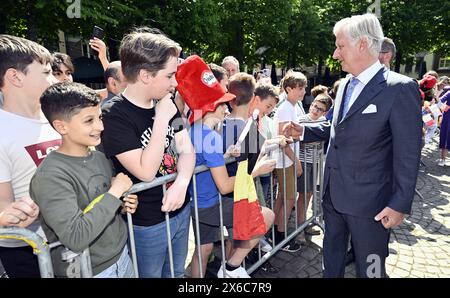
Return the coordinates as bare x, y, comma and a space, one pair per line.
240, 41
2, 22
288, 62
319, 70
31, 21
113, 49
398, 61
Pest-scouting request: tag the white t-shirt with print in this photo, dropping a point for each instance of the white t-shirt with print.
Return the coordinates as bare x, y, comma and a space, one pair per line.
24, 143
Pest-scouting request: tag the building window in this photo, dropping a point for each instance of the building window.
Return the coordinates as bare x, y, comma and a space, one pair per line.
419, 62
444, 63
409, 65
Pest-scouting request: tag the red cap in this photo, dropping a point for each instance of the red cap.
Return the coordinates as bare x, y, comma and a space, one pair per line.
427, 83
199, 87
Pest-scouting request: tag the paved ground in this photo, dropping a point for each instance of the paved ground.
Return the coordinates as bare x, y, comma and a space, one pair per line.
420, 247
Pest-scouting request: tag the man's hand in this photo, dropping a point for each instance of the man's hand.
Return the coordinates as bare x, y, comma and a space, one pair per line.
293, 130
20, 213
129, 204
174, 197
390, 218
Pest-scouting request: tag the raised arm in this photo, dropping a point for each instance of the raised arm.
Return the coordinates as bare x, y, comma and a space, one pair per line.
144, 163
175, 195
100, 47
224, 183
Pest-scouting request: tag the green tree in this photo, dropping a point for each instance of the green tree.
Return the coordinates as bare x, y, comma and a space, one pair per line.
296, 32
414, 25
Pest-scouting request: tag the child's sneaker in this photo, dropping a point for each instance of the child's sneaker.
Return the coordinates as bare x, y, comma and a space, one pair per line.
236, 273
265, 246
441, 162
292, 246
311, 231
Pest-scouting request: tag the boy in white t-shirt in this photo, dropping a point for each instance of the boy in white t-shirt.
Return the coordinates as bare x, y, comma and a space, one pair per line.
294, 84
27, 138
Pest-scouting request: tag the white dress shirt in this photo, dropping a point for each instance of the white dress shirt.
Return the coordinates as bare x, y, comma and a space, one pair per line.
363, 79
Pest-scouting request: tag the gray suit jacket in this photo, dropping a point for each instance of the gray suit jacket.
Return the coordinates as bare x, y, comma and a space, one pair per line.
373, 158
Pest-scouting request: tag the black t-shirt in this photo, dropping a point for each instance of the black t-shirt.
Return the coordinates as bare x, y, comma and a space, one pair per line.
250, 148
129, 127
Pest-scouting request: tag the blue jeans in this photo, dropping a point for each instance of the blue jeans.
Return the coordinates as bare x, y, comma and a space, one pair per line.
120, 269
152, 249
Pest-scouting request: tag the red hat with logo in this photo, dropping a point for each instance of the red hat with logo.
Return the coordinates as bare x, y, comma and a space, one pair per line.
428, 82
199, 87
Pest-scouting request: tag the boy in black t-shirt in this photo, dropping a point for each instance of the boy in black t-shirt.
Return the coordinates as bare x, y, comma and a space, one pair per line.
146, 138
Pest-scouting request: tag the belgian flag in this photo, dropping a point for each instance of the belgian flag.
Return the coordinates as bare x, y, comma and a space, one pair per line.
248, 221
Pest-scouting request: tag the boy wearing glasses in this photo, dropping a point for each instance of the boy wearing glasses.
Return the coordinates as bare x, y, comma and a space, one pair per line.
317, 112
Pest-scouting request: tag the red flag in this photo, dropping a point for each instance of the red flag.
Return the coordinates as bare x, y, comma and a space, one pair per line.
428, 120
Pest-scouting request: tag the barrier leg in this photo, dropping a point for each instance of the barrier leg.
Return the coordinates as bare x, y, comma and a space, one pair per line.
132, 245
169, 238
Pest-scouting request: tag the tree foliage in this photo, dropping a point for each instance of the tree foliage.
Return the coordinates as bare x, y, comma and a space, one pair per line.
295, 32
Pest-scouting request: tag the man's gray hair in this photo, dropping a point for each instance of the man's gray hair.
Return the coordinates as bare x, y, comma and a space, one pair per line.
387, 46
362, 26
230, 59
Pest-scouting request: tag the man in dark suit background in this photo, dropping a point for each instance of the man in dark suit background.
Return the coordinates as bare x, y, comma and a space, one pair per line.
374, 151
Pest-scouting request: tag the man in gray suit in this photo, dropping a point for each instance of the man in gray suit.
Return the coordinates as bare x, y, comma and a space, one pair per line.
374, 151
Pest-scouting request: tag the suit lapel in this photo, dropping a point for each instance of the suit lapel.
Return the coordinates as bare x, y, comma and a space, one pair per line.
338, 100
372, 88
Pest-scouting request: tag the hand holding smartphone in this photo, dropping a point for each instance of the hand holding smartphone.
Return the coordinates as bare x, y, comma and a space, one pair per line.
97, 32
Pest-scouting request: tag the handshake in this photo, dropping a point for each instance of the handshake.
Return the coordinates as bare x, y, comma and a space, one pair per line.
292, 130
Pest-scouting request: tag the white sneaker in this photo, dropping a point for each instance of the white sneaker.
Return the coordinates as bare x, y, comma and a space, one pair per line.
265, 246
441, 162
237, 273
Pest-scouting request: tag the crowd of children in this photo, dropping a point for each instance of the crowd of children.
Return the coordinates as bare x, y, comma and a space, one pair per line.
78, 191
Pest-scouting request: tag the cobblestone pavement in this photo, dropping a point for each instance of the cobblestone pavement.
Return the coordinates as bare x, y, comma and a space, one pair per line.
420, 247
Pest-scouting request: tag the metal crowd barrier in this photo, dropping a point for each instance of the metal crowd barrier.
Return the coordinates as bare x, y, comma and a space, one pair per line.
317, 191
315, 219
42, 250
79, 264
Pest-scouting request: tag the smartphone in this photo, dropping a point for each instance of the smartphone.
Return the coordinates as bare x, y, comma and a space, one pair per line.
99, 33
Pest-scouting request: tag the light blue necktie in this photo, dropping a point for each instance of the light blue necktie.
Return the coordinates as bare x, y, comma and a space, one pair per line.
348, 94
